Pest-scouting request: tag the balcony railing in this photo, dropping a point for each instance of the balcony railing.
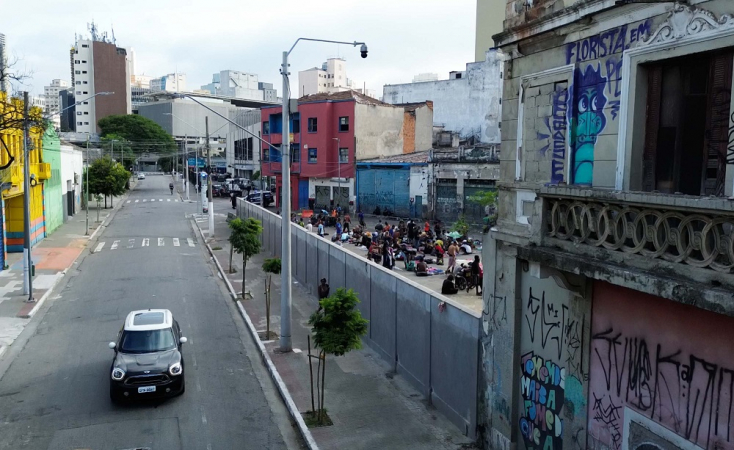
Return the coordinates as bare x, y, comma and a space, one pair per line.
698, 237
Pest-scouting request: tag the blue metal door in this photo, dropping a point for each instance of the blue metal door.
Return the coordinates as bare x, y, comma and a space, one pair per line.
303, 194
387, 188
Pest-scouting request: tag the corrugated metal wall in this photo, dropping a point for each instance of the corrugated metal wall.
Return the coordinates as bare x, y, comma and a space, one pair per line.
386, 188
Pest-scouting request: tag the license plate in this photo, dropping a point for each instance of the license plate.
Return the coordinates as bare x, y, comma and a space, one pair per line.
144, 389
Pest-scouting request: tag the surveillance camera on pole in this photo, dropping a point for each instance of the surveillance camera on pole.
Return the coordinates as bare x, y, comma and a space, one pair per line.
363, 50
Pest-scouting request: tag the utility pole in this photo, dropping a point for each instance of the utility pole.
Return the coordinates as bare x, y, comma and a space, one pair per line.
27, 257
285, 209
209, 179
186, 175
86, 185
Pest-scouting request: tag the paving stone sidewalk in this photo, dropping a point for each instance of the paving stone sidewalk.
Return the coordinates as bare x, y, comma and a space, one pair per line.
371, 406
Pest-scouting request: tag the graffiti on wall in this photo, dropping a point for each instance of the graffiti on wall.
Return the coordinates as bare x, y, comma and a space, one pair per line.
587, 120
557, 125
691, 395
542, 386
597, 84
552, 375
666, 361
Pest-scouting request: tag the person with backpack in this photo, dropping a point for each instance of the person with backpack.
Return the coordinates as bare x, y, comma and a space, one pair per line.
170, 186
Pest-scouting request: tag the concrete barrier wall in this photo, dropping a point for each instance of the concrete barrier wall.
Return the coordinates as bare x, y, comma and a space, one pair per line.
436, 351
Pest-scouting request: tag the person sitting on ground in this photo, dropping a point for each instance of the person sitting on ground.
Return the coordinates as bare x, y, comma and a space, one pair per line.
438, 249
448, 287
377, 211
379, 226
421, 269
321, 228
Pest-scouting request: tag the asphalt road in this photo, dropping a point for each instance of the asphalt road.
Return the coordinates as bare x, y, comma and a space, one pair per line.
54, 393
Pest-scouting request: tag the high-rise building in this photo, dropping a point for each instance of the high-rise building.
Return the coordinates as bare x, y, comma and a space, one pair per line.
99, 66
53, 102
244, 85
172, 82
490, 14
330, 77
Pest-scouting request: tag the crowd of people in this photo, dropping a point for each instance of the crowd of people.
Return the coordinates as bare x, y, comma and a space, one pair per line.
414, 244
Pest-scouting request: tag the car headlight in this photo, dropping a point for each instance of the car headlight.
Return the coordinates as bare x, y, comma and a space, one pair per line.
175, 369
118, 374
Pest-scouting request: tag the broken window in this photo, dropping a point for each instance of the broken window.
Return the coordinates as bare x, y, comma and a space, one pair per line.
687, 124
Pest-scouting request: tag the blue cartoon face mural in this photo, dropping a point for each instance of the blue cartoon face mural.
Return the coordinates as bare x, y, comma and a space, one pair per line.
587, 120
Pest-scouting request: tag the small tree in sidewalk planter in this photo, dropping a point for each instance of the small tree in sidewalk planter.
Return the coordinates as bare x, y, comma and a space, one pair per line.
337, 328
244, 238
270, 266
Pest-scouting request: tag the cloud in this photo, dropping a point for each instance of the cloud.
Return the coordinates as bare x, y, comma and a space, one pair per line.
405, 37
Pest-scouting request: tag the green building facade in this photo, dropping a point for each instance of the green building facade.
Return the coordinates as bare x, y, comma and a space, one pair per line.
52, 195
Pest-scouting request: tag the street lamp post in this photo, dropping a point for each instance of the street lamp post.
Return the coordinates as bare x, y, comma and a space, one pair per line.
285, 285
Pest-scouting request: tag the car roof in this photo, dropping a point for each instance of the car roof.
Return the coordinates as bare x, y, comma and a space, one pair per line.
149, 319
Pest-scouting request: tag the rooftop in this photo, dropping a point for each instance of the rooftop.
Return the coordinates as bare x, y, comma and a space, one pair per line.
341, 96
407, 158
148, 319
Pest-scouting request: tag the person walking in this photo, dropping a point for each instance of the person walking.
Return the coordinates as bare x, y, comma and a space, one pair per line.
452, 250
323, 292
321, 229
476, 272
347, 223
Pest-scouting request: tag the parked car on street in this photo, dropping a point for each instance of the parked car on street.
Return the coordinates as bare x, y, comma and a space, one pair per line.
217, 190
148, 361
254, 197
141, 176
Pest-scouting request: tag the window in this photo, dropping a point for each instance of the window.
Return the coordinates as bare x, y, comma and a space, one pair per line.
343, 124
312, 125
78, 113
85, 103
86, 113
78, 92
79, 123
76, 61
84, 71
266, 154
266, 127
85, 92
296, 125
78, 82
312, 155
86, 123
343, 155
84, 82
295, 153
687, 124
276, 123
77, 72
85, 46
83, 62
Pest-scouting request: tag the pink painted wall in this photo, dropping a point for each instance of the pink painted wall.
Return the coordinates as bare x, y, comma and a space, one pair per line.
670, 362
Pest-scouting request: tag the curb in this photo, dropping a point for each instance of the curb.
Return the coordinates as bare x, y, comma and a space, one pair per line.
282, 388
43, 298
112, 213
3, 349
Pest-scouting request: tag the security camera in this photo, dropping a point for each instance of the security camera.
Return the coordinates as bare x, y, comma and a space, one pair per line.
363, 50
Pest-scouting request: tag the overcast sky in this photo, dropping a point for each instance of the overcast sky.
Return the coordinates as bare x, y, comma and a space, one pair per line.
405, 37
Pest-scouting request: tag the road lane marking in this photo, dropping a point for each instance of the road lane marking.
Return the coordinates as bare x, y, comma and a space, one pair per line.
203, 418
145, 200
99, 247
137, 201
152, 199
190, 241
160, 199
127, 201
198, 386
130, 243
161, 242
146, 241
114, 245
176, 200
175, 242
168, 199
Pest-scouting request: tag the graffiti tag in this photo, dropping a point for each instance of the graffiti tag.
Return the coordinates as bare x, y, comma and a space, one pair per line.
542, 386
607, 43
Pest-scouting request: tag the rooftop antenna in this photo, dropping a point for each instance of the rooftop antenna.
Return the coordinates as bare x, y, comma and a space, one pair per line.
92, 30
114, 41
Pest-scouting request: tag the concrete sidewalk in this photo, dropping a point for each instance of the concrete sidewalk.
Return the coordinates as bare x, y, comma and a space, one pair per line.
371, 406
53, 256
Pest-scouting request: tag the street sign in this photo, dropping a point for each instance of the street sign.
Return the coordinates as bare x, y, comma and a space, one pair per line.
192, 162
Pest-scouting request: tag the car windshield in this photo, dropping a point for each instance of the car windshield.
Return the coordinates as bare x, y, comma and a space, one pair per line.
147, 341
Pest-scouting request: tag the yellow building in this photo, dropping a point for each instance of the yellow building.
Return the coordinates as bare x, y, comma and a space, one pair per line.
490, 18
11, 176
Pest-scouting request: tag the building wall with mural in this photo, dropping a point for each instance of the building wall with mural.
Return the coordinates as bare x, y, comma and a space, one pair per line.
52, 193
608, 319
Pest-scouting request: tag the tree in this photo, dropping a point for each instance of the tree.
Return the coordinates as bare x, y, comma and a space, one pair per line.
245, 239
488, 199
117, 147
337, 327
256, 175
461, 226
270, 266
143, 134
107, 177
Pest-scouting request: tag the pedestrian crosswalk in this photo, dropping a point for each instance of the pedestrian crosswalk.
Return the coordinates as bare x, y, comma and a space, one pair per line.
153, 200
156, 242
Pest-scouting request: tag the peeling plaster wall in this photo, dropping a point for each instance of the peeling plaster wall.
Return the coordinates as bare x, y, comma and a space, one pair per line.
378, 131
470, 106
